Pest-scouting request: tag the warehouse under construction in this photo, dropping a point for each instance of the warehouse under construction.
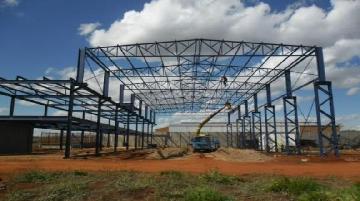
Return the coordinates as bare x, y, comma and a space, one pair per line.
263, 95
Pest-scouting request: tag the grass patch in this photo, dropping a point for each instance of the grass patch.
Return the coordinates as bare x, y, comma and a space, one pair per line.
80, 173
217, 177
294, 186
20, 195
173, 185
348, 194
172, 174
37, 177
315, 196
205, 194
132, 181
65, 191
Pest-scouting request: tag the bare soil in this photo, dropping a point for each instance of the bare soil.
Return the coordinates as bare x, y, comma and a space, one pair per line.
227, 161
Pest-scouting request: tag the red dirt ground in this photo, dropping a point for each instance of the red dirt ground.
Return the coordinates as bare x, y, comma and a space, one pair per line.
346, 167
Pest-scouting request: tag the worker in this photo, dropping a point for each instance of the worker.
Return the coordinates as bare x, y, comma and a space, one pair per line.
224, 80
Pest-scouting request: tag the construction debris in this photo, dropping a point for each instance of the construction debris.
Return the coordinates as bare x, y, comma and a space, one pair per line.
167, 153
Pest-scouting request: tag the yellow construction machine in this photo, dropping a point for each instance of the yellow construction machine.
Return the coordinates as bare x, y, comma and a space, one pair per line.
203, 142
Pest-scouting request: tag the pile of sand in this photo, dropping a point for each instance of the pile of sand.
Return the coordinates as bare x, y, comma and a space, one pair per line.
225, 154
237, 155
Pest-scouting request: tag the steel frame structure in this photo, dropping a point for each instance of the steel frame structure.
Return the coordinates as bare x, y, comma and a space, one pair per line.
181, 76
71, 97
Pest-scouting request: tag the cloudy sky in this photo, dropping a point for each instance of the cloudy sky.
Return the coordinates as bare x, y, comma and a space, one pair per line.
40, 37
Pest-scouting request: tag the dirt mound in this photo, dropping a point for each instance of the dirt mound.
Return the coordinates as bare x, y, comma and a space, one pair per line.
167, 153
237, 155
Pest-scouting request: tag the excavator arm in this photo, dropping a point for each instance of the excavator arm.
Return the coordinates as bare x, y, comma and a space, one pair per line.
205, 121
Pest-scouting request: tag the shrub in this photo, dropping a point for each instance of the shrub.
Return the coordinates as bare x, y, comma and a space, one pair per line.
172, 174
204, 194
216, 177
80, 173
65, 191
315, 196
20, 196
37, 177
131, 181
295, 186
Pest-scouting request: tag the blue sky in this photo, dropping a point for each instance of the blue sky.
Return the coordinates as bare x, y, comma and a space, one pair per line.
36, 35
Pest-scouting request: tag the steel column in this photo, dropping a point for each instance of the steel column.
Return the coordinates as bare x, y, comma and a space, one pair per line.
12, 106
292, 136
239, 140
69, 122
101, 139
140, 114
108, 140
144, 121
152, 126
46, 108
116, 128
82, 133
80, 66
246, 128
148, 129
127, 131
228, 130
61, 139
320, 63
256, 125
270, 129
136, 131
325, 114
106, 83
270, 123
257, 130
98, 129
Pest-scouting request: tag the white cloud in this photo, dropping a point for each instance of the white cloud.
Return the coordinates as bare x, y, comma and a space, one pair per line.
231, 19
3, 110
88, 28
10, 3
336, 29
26, 103
349, 121
353, 91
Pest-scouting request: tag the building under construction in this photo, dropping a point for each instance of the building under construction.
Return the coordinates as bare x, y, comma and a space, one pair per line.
121, 90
